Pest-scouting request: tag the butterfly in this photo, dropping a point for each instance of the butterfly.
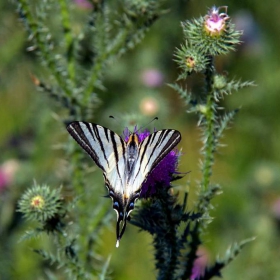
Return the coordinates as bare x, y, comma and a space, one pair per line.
125, 164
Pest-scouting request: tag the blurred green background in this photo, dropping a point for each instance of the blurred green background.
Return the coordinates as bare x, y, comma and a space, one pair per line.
247, 167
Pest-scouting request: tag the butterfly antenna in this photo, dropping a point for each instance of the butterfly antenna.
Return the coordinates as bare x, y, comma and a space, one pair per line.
112, 117
154, 119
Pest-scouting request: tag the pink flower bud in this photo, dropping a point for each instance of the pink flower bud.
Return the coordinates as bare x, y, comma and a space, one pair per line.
215, 22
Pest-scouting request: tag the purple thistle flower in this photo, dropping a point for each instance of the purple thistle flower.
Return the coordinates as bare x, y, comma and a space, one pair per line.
163, 172
200, 264
215, 22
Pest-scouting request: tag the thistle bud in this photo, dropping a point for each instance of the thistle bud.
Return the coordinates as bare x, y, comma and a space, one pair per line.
40, 203
219, 81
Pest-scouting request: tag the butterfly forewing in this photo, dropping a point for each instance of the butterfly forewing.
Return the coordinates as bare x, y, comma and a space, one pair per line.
105, 147
151, 151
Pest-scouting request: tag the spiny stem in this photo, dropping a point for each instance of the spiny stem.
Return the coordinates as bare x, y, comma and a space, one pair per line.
171, 241
209, 129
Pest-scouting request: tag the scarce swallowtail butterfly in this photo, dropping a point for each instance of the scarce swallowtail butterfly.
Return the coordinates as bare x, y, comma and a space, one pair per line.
125, 165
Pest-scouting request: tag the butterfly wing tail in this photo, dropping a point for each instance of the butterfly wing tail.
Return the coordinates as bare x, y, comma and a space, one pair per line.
120, 228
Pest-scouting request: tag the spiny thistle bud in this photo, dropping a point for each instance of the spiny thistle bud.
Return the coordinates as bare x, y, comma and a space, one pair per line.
219, 82
211, 35
189, 60
41, 204
215, 23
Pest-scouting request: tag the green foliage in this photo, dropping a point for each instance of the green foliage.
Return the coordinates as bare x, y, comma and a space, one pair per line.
77, 62
231, 253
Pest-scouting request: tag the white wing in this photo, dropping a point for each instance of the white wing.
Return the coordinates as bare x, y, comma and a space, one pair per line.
105, 147
151, 151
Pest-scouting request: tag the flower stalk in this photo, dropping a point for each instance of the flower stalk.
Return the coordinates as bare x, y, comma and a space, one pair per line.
208, 129
205, 39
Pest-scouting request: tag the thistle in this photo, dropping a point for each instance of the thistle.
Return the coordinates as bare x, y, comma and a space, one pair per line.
43, 205
177, 233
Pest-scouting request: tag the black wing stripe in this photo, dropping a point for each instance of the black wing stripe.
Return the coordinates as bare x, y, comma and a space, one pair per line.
161, 138
94, 129
123, 150
113, 140
172, 142
106, 134
151, 139
158, 144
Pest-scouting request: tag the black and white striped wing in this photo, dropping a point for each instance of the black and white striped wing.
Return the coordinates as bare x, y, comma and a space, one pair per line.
152, 150
105, 147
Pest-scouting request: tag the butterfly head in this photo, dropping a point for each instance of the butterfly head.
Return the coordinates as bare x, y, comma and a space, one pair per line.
123, 207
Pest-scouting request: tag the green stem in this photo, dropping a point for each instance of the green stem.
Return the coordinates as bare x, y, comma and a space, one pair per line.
208, 130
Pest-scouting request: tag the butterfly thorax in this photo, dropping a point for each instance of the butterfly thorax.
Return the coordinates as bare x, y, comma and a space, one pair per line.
131, 152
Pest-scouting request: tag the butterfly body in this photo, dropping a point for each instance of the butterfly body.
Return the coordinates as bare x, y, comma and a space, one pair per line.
125, 164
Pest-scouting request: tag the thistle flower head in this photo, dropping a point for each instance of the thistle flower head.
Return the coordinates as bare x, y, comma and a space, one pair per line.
163, 172
40, 203
215, 22
211, 35
37, 202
